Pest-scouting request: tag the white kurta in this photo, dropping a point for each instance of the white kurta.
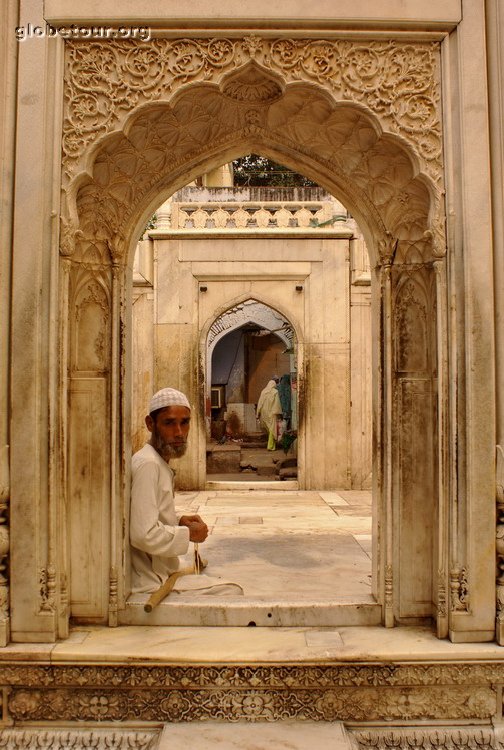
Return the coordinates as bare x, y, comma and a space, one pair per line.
156, 538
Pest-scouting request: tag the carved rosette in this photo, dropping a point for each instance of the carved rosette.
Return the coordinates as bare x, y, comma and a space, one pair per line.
359, 693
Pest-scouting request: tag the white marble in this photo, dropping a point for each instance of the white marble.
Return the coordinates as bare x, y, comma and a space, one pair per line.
298, 562
68, 503
242, 735
333, 498
285, 645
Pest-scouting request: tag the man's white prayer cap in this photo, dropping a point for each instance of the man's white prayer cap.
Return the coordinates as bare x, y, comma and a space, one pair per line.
168, 397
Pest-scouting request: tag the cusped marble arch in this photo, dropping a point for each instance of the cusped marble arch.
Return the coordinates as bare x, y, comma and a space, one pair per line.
381, 172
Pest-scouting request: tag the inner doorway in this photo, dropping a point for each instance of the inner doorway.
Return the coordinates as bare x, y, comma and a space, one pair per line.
252, 402
295, 552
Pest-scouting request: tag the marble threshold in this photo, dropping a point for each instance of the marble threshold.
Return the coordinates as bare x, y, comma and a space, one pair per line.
228, 484
252, 612
301, 558
214, 645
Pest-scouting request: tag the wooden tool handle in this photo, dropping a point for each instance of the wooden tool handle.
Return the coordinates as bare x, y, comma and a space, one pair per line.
164, 590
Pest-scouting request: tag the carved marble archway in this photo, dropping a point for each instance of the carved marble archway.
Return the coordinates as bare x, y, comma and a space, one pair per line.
364, 122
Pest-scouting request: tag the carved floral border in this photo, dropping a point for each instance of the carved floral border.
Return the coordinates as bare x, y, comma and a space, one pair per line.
398, 81
349, 693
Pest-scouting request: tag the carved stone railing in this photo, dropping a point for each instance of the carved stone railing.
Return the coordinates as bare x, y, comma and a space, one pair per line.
251, 209
251, 215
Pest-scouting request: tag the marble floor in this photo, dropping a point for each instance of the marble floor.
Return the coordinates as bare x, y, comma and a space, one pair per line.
301, 558
217, 645
296, 544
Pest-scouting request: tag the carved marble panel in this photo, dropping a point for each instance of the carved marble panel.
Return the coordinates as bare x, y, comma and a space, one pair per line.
89, 449
159, 693
411, 328
400, 82
88, 490
47, 738
331, 102
414, 427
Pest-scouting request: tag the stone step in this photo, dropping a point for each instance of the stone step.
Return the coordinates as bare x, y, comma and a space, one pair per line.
244, 611
250, 735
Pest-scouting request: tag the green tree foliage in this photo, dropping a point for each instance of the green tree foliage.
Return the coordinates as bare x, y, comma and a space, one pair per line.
258, 171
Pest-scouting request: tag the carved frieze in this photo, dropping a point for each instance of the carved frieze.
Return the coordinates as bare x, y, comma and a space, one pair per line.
44, 738
160, 693
345, 704
377, 739
424, 739
104, 82
333, 102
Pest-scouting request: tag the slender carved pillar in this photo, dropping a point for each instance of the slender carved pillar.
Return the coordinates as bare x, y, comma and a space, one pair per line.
443, 473
387, 451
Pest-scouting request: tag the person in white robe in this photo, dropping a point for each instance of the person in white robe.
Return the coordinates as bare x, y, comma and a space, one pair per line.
158, 536
269, 411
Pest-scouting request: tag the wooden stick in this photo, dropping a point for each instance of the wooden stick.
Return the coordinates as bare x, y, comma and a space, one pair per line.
165, 588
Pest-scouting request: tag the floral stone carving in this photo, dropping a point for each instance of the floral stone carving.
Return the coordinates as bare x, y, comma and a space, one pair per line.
161, 693
399, 82
334, 102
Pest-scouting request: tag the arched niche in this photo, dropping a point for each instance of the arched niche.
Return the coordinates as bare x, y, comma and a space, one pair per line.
353, 144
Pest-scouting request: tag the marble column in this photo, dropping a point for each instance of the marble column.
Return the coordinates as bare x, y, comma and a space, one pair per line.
35, 570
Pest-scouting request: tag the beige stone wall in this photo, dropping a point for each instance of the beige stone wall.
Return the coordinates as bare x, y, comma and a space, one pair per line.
269, 270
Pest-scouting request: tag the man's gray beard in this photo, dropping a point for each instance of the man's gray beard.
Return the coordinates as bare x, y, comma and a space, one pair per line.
169, 450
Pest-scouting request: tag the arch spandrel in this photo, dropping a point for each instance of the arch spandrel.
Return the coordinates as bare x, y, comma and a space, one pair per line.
104, 82
340, 107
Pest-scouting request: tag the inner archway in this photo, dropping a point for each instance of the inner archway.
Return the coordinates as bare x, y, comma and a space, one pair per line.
248, 346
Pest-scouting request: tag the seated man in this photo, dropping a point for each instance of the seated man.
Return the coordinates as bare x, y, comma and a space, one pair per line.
158, 537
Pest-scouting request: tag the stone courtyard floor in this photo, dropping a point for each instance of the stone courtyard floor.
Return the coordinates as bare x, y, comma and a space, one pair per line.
301, 558
302, 545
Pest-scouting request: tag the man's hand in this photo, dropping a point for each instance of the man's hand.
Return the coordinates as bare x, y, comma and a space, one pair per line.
198, 530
